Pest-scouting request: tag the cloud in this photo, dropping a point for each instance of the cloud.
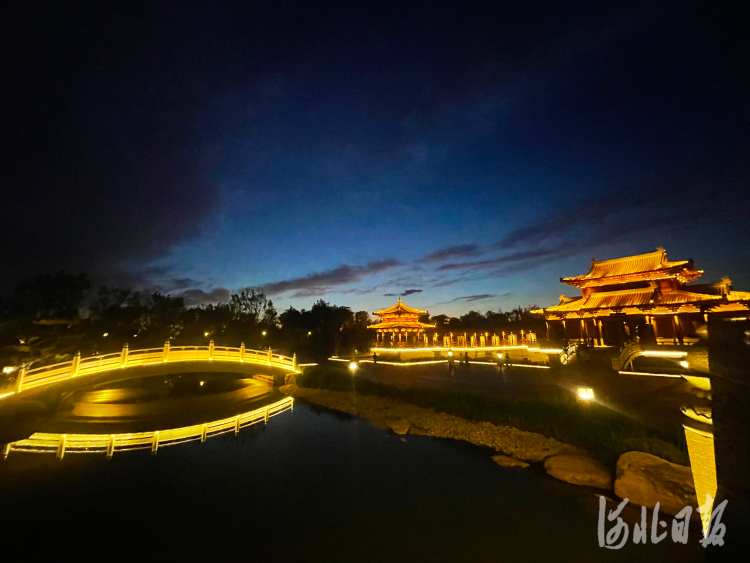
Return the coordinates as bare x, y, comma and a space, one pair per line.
463, 250
311, 292
469, 298
321, 282
510, 258
195, 297
404, 294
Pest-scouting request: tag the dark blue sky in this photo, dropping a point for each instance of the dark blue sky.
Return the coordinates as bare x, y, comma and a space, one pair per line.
465, 156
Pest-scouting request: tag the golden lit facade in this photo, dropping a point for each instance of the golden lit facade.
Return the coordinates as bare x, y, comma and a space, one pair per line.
400, 327
645, 298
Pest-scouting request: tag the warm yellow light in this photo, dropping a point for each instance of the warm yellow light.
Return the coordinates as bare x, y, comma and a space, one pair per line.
685, 364
450, 353
202, 382
500, 355
264, 333
353, 366
663, 354
9, 369
105, 334
586, 393
130, 358
205, 334
309, 333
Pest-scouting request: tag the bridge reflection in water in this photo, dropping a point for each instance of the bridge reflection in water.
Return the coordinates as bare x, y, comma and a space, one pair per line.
110, 443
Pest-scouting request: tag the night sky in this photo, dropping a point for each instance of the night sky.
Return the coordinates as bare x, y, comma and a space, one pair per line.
465, 156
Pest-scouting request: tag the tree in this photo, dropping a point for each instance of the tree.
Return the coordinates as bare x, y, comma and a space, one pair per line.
53, 296
249, 302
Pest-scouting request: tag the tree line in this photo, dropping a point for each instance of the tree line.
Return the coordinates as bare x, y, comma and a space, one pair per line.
50, 317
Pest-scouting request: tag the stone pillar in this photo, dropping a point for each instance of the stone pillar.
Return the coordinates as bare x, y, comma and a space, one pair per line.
124, 356
166, 352
20, 378
294, 361
211, 350
242, 352
76, 363
270, 353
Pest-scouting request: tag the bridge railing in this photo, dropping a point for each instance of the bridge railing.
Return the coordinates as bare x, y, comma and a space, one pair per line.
109, 443
79, 366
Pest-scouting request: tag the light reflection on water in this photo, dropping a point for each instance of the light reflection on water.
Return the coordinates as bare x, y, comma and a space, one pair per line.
309, 486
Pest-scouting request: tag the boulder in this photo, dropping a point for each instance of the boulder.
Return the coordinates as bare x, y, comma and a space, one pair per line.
419, 431
398, 425
506, 461
579, 470
645, 479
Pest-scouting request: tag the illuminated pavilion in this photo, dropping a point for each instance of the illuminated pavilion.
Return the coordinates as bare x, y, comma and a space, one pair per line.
400, 326
645, 297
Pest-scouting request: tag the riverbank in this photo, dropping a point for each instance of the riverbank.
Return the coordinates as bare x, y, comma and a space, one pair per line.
402, 417
643, 478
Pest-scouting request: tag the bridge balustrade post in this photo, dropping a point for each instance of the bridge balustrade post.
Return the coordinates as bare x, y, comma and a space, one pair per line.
155, 442
76, 362
237, 424
61, 446
111, 446
166, 352
265, 415
124, 356
269, 355
20, 378
294, 362
204, 432
211, 350
242, 352
6, 450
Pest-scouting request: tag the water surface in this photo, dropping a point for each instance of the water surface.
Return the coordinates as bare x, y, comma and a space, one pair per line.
311, 485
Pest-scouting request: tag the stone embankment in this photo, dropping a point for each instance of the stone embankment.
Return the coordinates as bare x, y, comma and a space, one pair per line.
642, 478
402, 418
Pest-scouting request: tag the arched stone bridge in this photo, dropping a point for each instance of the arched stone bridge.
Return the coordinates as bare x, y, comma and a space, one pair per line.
111, 366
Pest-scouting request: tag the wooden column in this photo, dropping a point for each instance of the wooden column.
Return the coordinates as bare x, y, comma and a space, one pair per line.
677, 330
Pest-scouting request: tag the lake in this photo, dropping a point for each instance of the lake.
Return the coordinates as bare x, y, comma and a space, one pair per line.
311, 485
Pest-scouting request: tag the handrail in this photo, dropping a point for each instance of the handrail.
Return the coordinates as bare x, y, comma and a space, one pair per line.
92, 443
78, 366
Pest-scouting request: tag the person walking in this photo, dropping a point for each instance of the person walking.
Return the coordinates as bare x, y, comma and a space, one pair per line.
374, 357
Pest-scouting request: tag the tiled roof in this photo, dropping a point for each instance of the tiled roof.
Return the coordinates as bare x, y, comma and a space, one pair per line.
674, 297
400, 308
647, 266
739, 296
401, 324
631, 298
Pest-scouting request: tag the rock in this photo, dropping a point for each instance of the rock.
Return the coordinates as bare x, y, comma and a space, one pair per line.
646, 479
579, 470
419, 431
505, 461
398, 425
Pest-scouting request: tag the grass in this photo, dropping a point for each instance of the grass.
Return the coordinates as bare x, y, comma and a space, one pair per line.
603, 432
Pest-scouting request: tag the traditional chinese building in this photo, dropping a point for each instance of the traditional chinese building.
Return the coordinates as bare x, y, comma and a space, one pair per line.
400, 326
644, 297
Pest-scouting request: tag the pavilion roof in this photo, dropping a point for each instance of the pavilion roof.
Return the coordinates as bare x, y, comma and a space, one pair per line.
400, 308
400, 324
643, 267
645, 298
